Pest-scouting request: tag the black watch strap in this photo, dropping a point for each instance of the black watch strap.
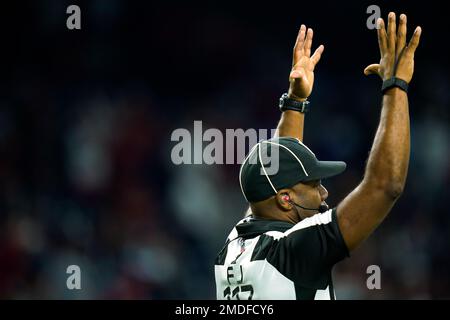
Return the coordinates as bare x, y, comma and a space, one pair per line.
291, 104
394, 82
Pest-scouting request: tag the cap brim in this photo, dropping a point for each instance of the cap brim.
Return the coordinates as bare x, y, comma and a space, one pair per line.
326, 169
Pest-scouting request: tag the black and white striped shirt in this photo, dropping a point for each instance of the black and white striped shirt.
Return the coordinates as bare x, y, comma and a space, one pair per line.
274, 260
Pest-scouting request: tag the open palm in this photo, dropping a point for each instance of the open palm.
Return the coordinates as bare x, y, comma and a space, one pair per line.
301, 78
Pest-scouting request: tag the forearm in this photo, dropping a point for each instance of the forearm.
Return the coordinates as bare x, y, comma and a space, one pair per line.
388, 161
291, 125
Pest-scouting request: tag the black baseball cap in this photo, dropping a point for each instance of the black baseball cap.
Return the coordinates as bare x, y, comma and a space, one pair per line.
280, 163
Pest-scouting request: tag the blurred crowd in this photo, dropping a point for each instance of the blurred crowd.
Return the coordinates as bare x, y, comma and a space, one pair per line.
86, 176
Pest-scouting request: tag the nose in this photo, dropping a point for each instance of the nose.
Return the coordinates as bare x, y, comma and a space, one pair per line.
323, 193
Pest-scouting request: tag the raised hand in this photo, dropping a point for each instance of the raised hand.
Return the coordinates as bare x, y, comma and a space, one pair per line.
301, 78
397, 58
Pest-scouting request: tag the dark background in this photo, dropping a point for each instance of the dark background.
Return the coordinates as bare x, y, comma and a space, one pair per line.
86, 117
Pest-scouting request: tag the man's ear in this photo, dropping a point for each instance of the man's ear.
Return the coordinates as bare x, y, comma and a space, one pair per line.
283, 199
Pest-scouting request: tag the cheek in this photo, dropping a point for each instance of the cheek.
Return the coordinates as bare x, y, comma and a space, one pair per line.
312, 197
316, 197
319, 197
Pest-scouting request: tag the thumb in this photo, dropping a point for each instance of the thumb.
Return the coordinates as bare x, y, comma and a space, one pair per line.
296, 74
372, 69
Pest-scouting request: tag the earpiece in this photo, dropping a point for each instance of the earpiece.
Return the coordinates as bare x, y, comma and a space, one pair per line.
322, 208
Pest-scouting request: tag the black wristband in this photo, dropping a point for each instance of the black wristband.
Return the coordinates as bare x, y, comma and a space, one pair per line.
291, 104
394, 82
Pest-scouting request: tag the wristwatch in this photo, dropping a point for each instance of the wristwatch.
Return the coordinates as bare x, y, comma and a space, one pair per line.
290, 104
394, 82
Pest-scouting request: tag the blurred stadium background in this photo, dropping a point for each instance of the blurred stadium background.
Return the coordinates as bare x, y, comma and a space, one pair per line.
85, 124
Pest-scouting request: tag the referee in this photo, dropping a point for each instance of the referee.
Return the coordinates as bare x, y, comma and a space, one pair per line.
288, 244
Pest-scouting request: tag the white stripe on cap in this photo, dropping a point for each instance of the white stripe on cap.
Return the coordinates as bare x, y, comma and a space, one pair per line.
264, 169
242, 165
299, 161
262, 166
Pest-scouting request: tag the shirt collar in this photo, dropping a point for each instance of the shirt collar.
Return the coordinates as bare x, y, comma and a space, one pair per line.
252, 227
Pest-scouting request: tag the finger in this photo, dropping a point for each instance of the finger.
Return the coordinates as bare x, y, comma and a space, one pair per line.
317, 54
308, 43
372, 69
298, 48
401, 35
300, 38
391, 32
382, 37
414, 40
